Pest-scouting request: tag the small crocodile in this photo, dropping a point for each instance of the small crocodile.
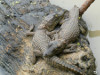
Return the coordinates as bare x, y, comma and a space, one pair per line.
40, 44
68, 32
41, 39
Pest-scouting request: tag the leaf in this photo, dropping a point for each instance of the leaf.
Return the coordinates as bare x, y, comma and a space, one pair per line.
78, 43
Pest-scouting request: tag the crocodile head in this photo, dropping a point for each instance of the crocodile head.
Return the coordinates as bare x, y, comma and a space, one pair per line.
51, 20
54, 47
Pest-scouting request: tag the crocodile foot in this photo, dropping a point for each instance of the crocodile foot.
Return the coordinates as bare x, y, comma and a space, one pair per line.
30, 31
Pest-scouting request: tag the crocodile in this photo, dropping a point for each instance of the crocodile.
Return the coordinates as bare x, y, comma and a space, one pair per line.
40, 43
68, 32
82, 24
40, 36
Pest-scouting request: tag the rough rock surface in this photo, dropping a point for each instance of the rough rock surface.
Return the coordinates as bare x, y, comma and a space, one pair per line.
16, 16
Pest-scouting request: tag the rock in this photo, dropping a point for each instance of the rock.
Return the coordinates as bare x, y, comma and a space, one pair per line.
16, 16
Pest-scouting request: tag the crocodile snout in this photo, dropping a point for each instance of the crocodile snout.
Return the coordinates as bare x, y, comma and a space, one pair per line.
45, 55
48, 53
54, 47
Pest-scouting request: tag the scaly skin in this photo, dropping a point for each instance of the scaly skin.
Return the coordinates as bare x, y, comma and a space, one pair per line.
40, 42
68, 33
70, 28
41, 39
61, 64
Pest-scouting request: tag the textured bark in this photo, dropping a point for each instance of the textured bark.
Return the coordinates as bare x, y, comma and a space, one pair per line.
16, 53
85, 6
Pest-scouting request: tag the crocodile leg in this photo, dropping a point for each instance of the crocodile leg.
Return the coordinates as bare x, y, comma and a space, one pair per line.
84, 40
36, 53
83, 37
29, 32
32, 28
52, 32
61, 64
67, 51
71, 48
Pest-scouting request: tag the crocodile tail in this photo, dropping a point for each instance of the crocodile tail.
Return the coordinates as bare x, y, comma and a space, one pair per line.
59, 63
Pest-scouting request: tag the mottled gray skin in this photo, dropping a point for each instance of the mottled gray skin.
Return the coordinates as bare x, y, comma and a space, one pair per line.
41, 39
40, 43
68, 33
